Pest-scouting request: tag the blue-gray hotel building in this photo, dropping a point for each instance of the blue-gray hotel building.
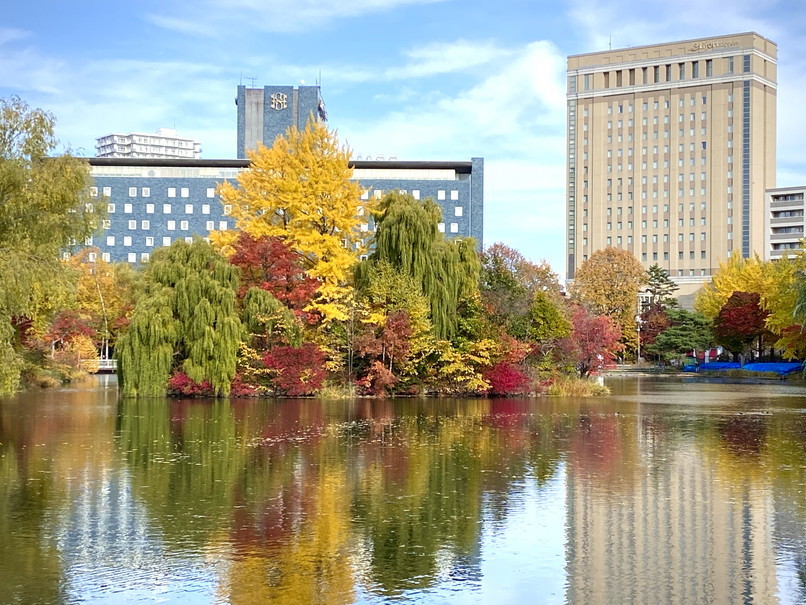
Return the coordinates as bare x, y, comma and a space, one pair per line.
154, 201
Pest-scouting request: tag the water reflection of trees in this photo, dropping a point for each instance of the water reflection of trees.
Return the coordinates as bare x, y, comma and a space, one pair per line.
307, 501
300, 490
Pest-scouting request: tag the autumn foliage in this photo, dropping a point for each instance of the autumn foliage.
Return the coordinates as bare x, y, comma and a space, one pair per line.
296, 371
594, 342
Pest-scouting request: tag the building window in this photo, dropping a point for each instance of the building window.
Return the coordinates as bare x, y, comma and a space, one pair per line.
132, 257
145, 192
210, 192
188, 208
458, 211
166, 209
227, 209
209, 225
184, 192
144, 256
107, 191
93, 191
145, 225
110, 240
149, 208
127, 240
132, 225
132, 191
106, 257
441, 227
415, 193
454, 194
171, 226
205, 208
166, 241
171, 191
150, 242
454, 227
222, 225
183, 225
441, 194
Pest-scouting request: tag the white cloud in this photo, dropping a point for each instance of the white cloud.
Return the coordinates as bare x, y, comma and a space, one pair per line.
440, 58
11, 34
511, 112
270, 15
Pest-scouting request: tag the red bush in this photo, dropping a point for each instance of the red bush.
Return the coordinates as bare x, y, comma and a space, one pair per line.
506, 379
181, 384
298, 371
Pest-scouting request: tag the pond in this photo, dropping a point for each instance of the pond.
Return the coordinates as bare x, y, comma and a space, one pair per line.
665, 491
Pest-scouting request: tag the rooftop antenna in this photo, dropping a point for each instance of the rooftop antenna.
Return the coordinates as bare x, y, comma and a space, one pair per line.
610, 42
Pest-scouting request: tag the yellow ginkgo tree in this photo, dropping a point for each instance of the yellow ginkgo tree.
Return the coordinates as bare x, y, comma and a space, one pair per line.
299, 190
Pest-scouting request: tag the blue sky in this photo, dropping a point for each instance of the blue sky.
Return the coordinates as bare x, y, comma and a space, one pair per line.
416, 79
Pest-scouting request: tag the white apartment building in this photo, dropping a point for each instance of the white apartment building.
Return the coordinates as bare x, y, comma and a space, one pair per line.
784, 208
163, 144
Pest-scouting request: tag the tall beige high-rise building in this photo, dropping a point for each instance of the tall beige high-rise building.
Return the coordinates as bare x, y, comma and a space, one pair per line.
670, 149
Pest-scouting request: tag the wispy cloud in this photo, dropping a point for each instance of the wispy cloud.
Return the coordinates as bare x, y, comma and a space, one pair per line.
10, 34
24, 69
268, 15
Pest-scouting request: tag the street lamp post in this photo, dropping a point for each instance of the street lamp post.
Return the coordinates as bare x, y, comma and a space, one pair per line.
638, 322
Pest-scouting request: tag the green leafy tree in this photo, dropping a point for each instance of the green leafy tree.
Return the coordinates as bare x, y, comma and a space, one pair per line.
509, 284
44, 209
386, 292
408, 239
185, 321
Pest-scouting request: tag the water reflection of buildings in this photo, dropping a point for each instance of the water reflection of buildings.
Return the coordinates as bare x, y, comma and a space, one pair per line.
676, 530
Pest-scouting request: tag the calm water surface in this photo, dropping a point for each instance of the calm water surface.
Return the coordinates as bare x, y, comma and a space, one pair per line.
664, 492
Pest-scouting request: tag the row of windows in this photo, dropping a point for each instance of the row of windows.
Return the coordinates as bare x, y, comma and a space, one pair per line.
149, 241
618, 107
680, 223
787, 213
644, 209
415, 193
146, 191
145, 225
131, 257
668, 72
779, 230
166, 208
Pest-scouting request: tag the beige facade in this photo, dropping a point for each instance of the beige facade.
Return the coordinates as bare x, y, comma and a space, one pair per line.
785, 221
688, 529
670, 150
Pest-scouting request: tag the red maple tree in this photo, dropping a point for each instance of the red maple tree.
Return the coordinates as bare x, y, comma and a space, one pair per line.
297, 370
740, 321
268, 263
594, 342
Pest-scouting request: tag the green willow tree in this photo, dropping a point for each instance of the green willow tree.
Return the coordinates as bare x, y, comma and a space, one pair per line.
408, 238
44, 208
185, 321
